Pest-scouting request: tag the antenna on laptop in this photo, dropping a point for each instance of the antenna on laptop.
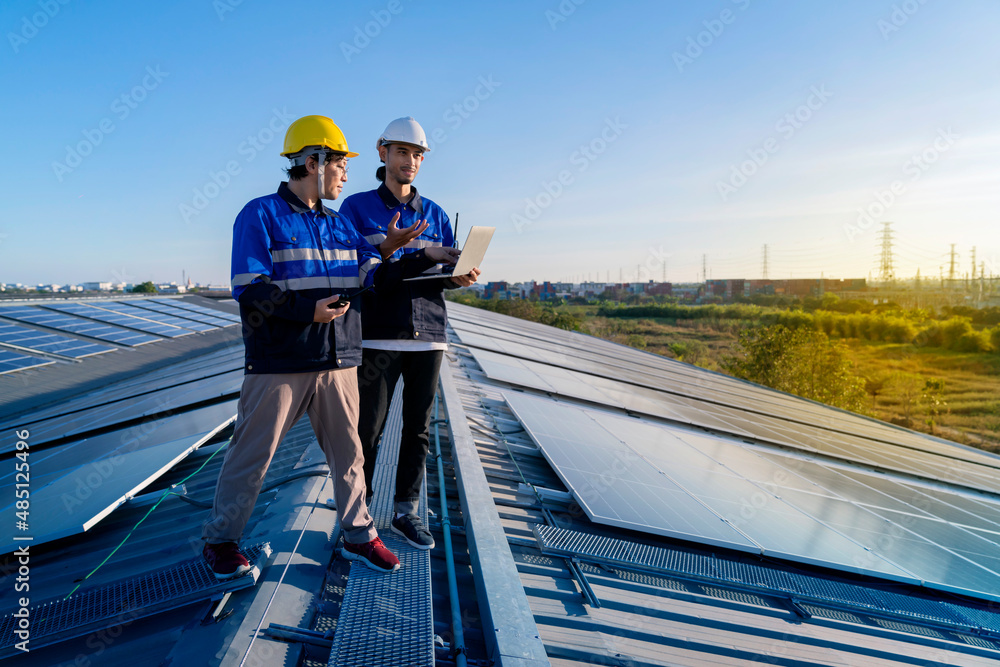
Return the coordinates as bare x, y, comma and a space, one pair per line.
455, 242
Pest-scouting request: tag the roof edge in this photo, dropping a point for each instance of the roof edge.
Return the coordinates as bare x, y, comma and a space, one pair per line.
503, 604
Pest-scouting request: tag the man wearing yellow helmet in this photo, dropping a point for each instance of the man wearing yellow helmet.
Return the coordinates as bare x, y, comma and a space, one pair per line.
293, 261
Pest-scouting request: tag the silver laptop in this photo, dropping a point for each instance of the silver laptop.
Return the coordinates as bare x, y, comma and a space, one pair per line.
472, 255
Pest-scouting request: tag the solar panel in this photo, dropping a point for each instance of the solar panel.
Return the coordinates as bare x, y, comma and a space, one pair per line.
14, 361
75, 325
540, 343
792, 507
162, 318
40, 341
180, 373
173, 398
93, 313
184, 313
643, 400
74, 486
187, 305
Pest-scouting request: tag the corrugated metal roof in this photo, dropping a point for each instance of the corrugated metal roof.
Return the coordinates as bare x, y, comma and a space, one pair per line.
646, 619
643, 617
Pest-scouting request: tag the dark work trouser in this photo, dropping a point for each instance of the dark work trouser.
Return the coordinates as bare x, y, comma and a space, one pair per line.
377, 377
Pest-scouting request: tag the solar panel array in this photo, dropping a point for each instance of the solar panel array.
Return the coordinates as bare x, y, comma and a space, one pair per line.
75, 325
77, 484
185, 313
193, 307
584, 368
146, 314
687, 484
15, 361
40, 341
110, 317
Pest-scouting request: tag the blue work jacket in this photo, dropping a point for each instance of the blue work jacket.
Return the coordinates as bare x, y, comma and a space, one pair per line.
414, 311
286, 257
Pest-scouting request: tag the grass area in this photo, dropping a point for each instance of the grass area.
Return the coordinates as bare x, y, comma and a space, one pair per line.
971, 391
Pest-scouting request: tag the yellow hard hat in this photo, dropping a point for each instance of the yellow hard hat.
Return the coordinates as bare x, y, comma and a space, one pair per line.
314, 131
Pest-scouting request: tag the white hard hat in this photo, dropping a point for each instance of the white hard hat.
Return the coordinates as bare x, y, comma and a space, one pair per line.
403, 131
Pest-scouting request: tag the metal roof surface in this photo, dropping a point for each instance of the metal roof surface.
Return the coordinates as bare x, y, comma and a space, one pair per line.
584, 610
646, 618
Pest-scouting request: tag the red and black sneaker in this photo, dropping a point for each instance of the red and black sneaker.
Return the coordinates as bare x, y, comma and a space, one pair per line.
373, 554
225, 560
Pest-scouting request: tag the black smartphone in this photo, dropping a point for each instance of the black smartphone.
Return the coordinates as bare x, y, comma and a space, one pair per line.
347, 298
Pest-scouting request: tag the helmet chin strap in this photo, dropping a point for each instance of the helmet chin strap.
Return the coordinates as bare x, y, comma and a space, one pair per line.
321, 169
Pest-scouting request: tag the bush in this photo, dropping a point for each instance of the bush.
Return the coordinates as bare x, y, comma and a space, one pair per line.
973, 341
952, 331
798, 361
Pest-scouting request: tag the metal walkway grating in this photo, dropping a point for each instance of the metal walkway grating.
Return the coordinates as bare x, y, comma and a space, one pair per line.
767, 580
145, 595
388, 619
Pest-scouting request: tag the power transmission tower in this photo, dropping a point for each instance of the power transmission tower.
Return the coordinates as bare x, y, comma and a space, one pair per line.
764, 269
885, 272
704, 267
951, 269
973, 263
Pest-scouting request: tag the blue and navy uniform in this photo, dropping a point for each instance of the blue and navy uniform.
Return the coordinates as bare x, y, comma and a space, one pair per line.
415, 310
286, 257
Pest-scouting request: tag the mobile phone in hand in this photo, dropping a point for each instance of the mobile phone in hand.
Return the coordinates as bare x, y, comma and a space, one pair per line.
347, 298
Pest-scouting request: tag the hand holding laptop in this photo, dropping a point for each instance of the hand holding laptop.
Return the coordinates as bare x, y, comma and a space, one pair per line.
471, 256
443, 255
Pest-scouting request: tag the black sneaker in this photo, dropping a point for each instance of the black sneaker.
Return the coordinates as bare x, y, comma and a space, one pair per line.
225, 560
414, 531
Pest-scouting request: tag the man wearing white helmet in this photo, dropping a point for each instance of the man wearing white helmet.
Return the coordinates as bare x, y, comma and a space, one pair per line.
293, 259
403, 331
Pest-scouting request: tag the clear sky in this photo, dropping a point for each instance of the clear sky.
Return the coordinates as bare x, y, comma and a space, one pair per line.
597, 137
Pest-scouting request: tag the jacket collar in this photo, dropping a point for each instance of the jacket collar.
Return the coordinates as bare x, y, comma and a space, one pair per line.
297, 205
390, 201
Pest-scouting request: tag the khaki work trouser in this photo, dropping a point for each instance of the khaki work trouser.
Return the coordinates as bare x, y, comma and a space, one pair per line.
269, 406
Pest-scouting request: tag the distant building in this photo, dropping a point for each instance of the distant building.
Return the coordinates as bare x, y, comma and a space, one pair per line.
497, 290
659, 289
726, 289
95, 287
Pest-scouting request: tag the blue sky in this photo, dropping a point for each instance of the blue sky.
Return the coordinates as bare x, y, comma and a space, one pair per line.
602, 139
